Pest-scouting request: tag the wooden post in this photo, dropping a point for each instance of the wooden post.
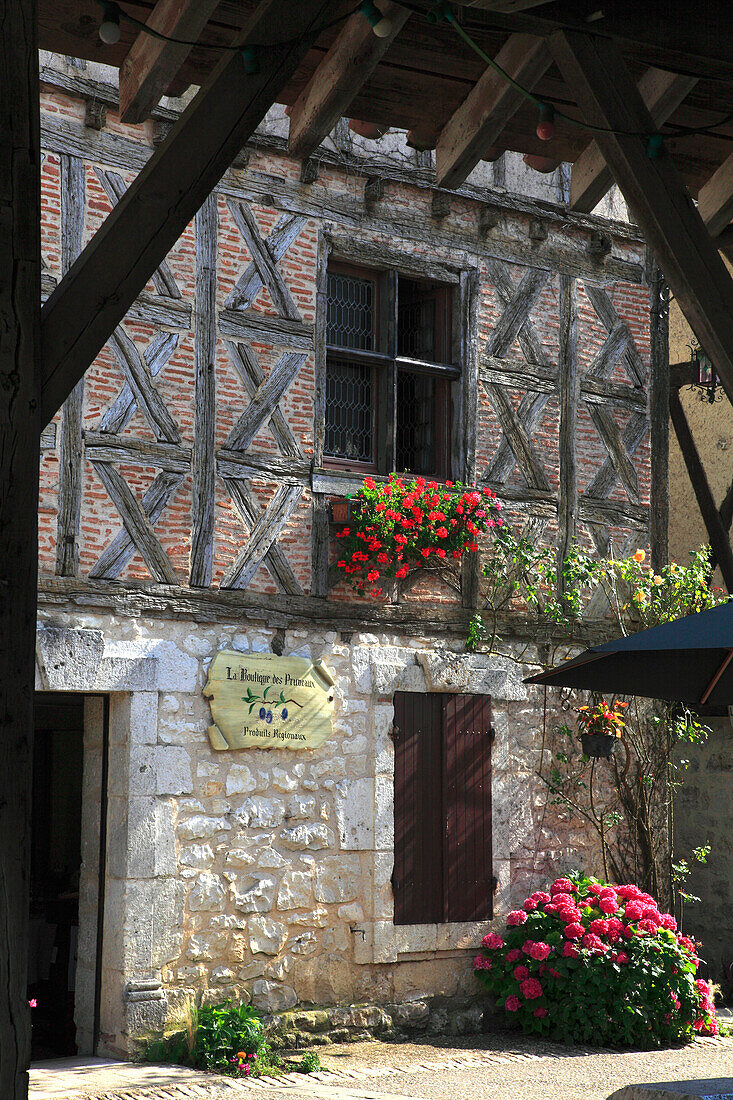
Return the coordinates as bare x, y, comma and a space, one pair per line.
659, 419
20, 300
567, 504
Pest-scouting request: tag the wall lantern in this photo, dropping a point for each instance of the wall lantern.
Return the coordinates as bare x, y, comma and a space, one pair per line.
706, 382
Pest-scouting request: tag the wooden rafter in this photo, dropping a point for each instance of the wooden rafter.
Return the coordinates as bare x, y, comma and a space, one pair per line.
591, 177
94, 296
606, 94
715, 199
151, 64
475, 127
351, 60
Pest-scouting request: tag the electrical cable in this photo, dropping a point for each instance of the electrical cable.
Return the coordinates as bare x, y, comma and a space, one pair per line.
213, 45
442, 11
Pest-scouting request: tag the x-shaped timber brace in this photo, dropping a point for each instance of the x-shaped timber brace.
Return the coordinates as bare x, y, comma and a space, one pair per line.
41, 362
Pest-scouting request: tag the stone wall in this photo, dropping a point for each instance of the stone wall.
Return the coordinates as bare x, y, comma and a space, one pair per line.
264, 875
704, 815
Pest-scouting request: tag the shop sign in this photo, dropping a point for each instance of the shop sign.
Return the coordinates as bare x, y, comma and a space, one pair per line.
268, 702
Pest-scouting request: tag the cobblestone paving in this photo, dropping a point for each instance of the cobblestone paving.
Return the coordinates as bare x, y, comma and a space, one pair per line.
478, 1066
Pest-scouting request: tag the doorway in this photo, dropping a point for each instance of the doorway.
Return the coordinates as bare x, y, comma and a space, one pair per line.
58, 766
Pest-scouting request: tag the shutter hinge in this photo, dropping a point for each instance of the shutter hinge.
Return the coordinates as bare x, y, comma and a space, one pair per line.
395, 733
494, 884
492, 734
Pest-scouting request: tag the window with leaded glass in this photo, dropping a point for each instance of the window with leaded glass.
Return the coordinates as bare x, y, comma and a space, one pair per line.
389, 372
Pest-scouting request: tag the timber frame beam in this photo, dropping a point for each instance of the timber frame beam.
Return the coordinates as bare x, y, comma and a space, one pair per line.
606, 94
476, 125
94, 296
351, 60
151, 64
590, 177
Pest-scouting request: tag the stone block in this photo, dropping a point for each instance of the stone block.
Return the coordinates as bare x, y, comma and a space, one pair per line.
260, 813
384, 813
200, 827
269, 859
173, 770
206, 946
240, 780
300, 807
410, 1015
272, 996
479, 673
309, 838
142, 774
258, 898
296, 890
338, 879
239, 857
196, 855
354, 806
174, 667
208, 894
68, 659
304, 944
144, 717
266, 937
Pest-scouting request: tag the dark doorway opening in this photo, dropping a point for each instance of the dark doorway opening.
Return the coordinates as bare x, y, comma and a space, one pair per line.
58, 764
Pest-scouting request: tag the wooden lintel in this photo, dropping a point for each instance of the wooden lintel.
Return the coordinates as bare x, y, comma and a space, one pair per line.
591, 177
351, 60
152, 63
476, 125
717, 533
102, 284
602, 86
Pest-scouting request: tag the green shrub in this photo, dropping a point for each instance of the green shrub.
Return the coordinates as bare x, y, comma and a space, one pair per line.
593, 963
225, 1037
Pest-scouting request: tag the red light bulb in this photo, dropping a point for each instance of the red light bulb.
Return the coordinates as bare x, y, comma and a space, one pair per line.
546, 124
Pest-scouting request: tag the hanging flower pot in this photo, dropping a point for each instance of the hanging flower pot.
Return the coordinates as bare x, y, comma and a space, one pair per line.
343, 510
599, 728
600, 745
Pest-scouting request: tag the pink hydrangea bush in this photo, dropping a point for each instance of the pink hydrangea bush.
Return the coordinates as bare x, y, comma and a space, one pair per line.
600, 964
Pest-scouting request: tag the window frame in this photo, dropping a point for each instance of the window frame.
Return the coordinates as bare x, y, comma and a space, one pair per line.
387, 364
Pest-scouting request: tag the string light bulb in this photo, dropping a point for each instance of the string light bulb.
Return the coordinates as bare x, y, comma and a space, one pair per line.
109, 28
251, 62
380, 24
654, 146
546, 125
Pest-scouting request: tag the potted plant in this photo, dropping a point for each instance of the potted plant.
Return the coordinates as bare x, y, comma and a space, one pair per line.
599, 727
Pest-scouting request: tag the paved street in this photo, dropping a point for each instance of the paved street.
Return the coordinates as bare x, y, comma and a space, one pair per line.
496, 1066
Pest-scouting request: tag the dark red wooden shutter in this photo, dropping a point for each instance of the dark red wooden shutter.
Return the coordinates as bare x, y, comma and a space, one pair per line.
467, 876
417, 880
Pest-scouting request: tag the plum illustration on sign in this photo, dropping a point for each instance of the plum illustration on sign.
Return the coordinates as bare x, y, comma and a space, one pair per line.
268, 702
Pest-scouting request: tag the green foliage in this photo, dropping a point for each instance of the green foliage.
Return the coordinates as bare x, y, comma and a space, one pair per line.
591, 964
635, 821
226, 1037
310, 1063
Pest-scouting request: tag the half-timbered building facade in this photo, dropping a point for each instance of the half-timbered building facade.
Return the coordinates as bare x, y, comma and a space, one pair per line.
313, 324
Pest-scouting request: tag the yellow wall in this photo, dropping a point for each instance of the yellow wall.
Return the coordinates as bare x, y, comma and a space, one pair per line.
712, 430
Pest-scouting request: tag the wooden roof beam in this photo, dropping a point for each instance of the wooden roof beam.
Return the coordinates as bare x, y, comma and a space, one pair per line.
715, 199
476, 125
591, 177
353, 57
603, 88
96, 293
151, 64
